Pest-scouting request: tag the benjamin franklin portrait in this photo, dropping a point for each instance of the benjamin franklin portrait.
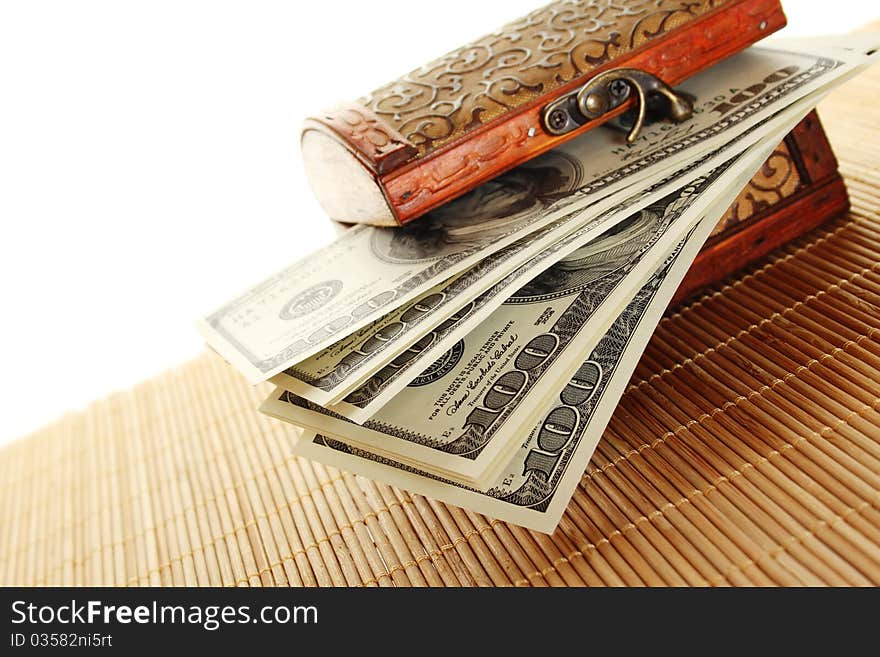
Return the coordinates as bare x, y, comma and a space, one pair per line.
614, 250
484, 215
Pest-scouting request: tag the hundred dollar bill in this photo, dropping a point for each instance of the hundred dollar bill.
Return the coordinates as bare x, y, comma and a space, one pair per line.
369, 272
459, 419
535, 485
538, 481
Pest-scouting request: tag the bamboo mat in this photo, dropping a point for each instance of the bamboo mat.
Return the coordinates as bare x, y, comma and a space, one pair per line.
746, 451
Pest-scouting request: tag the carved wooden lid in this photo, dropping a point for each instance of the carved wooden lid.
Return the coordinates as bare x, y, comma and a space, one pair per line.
524, 60
441, 130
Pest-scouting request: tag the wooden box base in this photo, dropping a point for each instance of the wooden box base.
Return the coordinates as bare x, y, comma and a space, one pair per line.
797, 189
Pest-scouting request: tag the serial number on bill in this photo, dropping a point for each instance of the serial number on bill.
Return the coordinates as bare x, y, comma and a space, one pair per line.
60, 640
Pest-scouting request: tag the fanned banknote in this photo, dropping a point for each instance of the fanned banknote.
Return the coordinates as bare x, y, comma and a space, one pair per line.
535, 484
460, 417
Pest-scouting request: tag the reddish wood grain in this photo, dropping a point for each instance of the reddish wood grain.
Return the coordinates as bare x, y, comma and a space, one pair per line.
768, 231
813, 151
823, 196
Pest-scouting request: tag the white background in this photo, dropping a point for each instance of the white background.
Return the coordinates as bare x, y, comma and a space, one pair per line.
150, 168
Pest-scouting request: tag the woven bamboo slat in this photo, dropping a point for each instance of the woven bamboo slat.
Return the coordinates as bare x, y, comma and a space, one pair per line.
745, 451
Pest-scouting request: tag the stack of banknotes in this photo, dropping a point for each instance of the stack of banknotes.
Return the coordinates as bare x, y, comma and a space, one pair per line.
476, 355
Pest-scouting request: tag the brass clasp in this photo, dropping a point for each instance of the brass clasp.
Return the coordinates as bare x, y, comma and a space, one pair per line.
610, 90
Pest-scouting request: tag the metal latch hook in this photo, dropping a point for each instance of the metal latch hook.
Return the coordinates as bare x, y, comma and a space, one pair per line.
610, 90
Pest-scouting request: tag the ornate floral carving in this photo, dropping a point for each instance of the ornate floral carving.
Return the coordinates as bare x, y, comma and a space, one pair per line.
546, 49
777, 180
